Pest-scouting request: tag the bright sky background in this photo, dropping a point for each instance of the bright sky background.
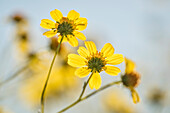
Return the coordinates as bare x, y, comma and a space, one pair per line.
139, 29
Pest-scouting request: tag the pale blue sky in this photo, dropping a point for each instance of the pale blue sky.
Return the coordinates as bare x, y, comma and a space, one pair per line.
139, 29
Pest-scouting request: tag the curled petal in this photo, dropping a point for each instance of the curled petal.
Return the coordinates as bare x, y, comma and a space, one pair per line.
79, 35
56, 15
91, 47
47, 24
73, 15
76, 60
115, 59
82, 72
107, 50
83, 52
130, 66
50, 33
95, 81
72, 40
135, 96
112, 70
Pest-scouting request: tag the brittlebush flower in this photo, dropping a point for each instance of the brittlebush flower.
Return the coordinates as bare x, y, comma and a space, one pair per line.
131, 79
66, 27
90, 60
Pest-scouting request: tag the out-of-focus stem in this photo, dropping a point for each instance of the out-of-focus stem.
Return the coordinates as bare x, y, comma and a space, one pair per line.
14, 75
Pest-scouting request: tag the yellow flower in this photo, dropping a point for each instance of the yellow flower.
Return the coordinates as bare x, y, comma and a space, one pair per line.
131, 79
66, 27
90, 60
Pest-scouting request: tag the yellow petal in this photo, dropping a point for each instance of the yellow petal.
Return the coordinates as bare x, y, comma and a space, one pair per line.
64, 39
115, 59
83, 52
47, 24
81, 24
76, 60
72, 41
112, 70
56, 15
91, 47
82, 72
50, 33
73, 15
79, 35
135, 96
107, 50
95, 81
130, 66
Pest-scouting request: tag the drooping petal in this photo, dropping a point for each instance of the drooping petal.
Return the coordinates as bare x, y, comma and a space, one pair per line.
81, 24
130, 66
95, 81
72, 41
115, 59
107, 50
64, 39
83, 52
76, 60
56, 15
73, 15
47, 24
79, 35
50, 33
135, 96
82, 72
91, 47
112, 70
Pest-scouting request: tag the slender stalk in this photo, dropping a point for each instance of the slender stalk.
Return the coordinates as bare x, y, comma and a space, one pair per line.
14, 75
85, 85
89, 95
48, 76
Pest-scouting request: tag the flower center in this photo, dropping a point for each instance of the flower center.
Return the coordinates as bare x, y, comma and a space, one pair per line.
65, 29
96, 64
131, 80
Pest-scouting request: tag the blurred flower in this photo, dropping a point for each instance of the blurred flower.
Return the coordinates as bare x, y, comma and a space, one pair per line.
62, 78
61, 81
90, 60
66, 27
114, 104
131, 79
157, 96
2, 110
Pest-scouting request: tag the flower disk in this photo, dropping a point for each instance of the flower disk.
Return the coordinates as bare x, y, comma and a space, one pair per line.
96, 64
90, 60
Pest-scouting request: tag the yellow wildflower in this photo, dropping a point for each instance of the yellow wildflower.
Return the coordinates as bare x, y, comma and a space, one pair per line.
131, 79
66, 27
90, 60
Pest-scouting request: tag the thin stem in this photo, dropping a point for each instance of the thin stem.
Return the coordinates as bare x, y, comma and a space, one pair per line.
84, 87
89, 95
14, 75
48, 76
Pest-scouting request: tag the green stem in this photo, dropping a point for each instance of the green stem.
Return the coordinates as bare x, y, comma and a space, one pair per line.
14, 75
84, 87
48, 76
89, 95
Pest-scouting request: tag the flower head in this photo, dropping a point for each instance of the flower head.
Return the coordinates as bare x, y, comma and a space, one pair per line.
131, 79
90, 60
66, 27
